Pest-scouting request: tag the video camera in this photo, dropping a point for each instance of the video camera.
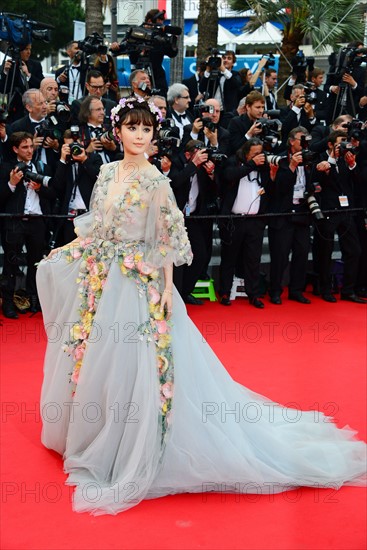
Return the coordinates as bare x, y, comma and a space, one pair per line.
19, 31
215, 59
299, 65
345, 60
28, 175
93, 43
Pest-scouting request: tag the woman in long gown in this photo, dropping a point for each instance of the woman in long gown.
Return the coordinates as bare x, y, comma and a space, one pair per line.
133, 399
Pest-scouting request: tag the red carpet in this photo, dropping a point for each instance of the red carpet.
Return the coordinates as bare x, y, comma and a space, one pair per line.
311, 357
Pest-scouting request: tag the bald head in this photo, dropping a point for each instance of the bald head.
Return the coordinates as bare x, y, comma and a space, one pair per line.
49, 89
216, 115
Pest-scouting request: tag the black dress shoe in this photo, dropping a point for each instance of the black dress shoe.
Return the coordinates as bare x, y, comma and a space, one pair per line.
298, 297
276, 299
35, 306
9, 311
193, 301
352, 298
224, 300
362, 293
329, 298
256, 303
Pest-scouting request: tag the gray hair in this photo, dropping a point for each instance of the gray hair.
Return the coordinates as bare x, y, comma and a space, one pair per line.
134, 74
175, 91
27, 97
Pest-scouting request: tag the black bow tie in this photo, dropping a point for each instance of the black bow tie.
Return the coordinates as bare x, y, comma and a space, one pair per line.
180, 117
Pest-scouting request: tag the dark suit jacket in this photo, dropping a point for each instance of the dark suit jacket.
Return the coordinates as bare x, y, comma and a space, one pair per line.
237, 128
289, 121
336, 183
233, 171
83, 75
87, 175
223, 138
231, 89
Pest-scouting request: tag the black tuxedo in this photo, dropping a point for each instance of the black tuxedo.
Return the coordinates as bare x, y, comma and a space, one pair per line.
223, 138
86, 136
238, 128
65, 182
340, 181
200, 232
193, 85
242, 238
320, 135
290, 120
17, 231
67, 69
231, 88
288, 234
270, 101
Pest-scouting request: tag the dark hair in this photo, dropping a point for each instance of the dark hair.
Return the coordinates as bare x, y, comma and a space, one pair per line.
254, 96
232, 53
151, 15
139, 114
333, 136
17, 137
94, 74
192, 145
246, 147
292, 134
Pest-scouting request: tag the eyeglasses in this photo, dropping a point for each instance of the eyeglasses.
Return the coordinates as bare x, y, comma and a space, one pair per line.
96, 87
184, 97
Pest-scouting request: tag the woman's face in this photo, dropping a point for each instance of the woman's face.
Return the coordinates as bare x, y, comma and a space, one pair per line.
135, 138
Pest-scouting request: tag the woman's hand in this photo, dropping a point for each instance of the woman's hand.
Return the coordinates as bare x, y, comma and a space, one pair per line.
166, 303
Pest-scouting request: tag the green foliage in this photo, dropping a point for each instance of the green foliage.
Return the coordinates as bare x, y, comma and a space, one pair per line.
326, 22
59, 13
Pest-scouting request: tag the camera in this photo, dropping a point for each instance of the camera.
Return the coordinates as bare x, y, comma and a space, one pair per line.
18, 30
28, 175
213, 153
76, 148
270, 62
313, 205
62, 112
345, 60
49, 128
308, 157
93, 43
168, 138
100, 133
310, 93
270, 132
355, 129
3, 116
137, 39
145, 88
202, 108
215, 59
299, 65
347, 147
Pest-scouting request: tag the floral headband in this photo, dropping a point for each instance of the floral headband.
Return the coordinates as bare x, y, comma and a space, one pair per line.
130, 102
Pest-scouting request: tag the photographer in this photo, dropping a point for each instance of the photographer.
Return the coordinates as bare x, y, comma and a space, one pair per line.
20, 194
299, 112
50, 91
246, 126
192, 181
74, 179
339, 176
140, 83
35, 122
220, 82
96, 137
27, 73
159, 42
178, 99
96, 86
293, 180
246, 189
206, 127
71, 78
320, 133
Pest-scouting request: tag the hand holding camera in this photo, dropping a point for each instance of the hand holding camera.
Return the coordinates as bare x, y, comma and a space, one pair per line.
16, 176
199, 157
259, 159
296, 160
255, 129
94, 146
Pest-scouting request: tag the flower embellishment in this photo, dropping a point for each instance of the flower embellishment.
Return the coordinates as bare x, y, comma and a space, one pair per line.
131, 103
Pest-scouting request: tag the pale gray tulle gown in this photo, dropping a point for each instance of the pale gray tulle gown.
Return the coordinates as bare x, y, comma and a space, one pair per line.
136, 407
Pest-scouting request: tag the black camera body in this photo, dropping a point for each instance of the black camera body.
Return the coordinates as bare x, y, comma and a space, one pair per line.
28, 175
101, 133
137, 39
270, 132
93, 43
168, 138
215, 59
347, 147
310, 93
355, 129
299, 65
199, 110
308, 157
213, 153
345, 60
49, 128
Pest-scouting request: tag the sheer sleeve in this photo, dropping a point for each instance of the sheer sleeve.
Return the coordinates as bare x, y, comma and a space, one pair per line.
84, 225
166, 238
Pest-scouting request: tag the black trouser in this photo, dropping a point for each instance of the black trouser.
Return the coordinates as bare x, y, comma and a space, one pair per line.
361, 282
186, 277
290, 237
344, 225
241, 245
30, 233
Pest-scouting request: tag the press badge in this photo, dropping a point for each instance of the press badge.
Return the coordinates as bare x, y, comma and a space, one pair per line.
343, 200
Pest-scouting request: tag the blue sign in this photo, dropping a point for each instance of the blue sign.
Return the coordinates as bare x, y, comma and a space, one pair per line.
189, 66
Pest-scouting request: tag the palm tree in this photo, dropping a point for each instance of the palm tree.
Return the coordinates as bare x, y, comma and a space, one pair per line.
207, 28
94, 16
325, 22
177, 20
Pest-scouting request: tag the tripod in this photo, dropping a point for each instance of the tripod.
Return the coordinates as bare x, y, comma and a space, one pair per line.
341, 103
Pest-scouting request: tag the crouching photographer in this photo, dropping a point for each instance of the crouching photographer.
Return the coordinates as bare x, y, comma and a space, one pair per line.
192, 181
247, 187
23, 191
74, 179
339, 176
